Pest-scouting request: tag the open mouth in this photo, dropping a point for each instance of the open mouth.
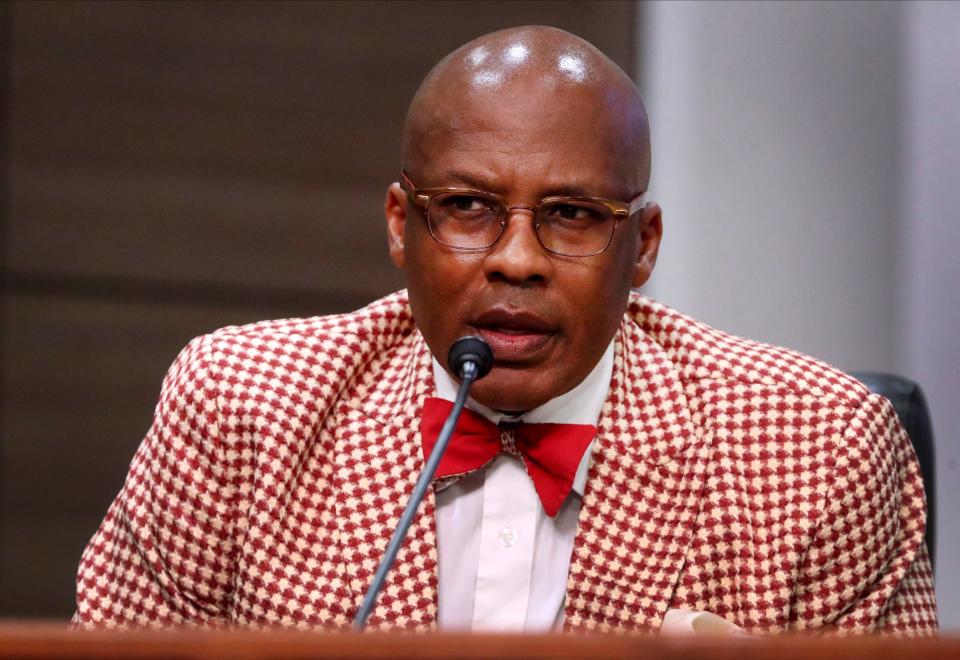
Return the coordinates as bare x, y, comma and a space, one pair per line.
514, 336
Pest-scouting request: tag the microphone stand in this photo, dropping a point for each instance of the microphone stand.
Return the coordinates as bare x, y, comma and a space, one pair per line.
469, 374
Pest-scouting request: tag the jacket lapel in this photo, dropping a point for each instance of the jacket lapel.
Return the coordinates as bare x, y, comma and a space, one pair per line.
642, 495
378, 460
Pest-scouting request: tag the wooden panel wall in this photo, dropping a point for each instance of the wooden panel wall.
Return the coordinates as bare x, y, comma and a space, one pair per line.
171, 168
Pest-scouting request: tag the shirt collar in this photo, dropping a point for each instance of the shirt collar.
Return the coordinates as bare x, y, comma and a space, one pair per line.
581, 405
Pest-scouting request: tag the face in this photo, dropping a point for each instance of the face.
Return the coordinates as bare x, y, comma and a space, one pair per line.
547, 318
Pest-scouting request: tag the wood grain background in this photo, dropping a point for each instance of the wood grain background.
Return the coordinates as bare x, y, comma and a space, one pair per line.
170, 168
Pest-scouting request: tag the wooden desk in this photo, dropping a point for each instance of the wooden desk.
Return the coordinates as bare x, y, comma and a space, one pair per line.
32, 640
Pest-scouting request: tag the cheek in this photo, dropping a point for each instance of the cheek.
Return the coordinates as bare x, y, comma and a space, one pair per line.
599, 292
437, 282
623, 261
424, 264
438, 276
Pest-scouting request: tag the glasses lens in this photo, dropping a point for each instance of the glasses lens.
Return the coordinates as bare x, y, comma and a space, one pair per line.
464, 220
575, 227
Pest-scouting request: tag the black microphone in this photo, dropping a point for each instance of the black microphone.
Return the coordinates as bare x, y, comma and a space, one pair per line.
470, 349
471, 359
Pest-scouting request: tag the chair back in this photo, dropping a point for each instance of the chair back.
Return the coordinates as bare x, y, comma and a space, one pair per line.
911, 406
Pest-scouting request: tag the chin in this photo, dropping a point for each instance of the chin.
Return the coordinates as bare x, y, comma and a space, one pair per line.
510, 390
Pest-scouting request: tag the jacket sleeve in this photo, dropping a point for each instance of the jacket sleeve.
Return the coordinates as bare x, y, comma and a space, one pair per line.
162, 555
912, 610
867, 569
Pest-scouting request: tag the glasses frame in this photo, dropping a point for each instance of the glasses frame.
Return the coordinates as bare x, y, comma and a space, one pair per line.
422, 197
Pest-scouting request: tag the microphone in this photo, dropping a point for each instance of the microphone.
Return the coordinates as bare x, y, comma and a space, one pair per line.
470, 349
471, 359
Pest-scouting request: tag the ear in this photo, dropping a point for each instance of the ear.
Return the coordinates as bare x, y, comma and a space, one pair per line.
395, 209
651, 231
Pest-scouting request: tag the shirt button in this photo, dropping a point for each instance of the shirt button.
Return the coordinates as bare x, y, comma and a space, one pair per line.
508, 536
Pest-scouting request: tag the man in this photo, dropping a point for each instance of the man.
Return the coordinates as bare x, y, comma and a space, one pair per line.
715, 474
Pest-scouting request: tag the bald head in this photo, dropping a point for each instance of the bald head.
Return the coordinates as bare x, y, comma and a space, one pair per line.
517, 80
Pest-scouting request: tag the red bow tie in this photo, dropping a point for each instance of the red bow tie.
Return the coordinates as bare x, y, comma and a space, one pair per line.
551, 453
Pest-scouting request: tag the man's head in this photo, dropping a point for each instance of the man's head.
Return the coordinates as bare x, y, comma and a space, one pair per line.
524, 113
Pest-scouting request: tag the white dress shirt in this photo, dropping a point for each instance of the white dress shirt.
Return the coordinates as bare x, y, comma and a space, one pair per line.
503, 562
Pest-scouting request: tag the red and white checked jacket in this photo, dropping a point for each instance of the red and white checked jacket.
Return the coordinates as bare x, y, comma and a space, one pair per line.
728, 476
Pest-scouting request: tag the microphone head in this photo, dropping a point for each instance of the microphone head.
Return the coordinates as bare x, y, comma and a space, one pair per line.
470, 349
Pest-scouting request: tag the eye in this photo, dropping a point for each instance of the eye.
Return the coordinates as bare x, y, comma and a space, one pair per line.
571, 212
466, 203
575, 213
463, 208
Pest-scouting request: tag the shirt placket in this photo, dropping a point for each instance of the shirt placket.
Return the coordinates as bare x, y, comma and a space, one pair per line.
507, 541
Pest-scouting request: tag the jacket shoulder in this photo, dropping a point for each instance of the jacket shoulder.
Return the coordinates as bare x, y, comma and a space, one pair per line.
318, 355
382, 321
703, 353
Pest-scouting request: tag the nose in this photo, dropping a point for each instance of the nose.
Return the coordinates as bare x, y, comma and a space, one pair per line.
518, 257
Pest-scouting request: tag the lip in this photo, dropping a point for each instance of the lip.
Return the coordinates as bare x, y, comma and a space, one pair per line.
514, 336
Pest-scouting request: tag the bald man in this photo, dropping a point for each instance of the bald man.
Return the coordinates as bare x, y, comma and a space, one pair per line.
619, 461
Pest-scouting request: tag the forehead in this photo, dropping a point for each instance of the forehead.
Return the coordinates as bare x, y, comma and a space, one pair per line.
540, 128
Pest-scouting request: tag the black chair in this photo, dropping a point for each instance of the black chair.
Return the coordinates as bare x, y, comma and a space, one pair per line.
911, 406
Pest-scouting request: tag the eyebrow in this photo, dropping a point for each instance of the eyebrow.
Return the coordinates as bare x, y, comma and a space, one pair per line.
467, 180
563, 190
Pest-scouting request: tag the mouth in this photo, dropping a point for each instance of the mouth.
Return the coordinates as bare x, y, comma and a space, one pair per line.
514, 336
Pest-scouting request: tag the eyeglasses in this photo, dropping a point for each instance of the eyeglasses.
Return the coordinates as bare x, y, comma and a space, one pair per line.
474, 220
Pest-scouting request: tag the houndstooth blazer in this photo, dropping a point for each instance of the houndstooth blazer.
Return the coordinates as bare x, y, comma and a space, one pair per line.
727, 475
